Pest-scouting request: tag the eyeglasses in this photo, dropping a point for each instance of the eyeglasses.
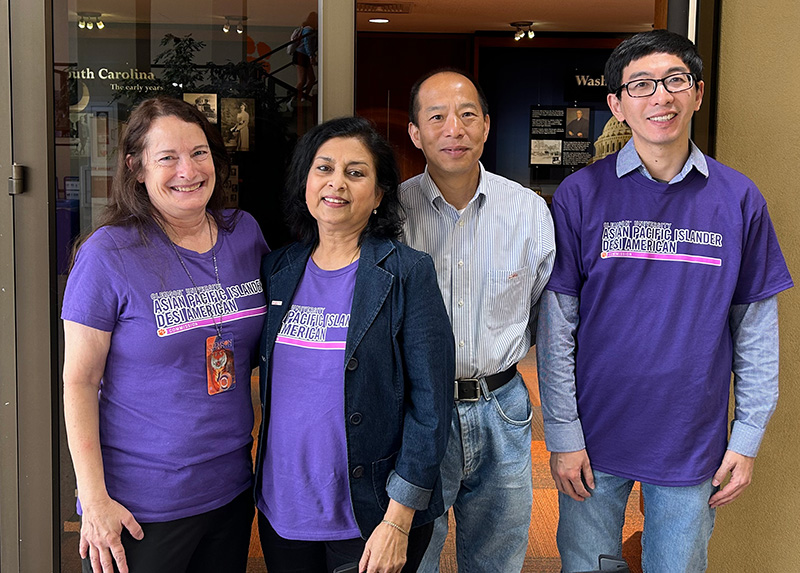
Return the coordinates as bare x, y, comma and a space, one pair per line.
645, 87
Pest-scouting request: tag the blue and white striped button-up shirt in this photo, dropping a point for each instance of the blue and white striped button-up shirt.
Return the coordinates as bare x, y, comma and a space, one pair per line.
492, 260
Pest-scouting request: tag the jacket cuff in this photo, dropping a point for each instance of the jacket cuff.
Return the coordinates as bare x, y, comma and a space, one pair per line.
564, 436
745, 440
407, 493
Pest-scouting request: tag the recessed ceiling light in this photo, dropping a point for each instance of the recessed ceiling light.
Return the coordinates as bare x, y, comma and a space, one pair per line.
379, 20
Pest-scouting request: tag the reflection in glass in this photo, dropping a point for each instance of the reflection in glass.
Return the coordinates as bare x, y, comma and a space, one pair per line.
246, 83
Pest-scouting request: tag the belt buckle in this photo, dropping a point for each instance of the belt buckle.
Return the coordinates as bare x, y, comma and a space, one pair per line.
468, 390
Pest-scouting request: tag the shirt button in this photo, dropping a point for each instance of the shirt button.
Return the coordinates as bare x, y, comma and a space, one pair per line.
357, 472
461, 263
460, 223
461, 302
355, 419
352, 364
461, 344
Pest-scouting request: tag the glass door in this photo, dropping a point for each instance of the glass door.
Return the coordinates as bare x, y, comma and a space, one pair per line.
70, 73
234, 61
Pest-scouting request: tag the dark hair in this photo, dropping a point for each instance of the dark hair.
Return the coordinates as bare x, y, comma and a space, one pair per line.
413, 102
645, 44
388, 222
129, 204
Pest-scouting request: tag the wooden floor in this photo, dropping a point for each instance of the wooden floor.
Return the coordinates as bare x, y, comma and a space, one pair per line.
542, 555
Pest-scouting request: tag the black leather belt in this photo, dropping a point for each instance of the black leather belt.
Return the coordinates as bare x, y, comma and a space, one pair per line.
469, 389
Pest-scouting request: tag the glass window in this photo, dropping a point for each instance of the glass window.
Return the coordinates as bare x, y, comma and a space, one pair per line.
244, 66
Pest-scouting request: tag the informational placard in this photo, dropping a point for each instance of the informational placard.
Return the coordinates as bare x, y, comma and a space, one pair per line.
560, 136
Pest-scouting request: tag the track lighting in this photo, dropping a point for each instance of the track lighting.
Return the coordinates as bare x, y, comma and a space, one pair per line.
88, 20
522, 28
239, 27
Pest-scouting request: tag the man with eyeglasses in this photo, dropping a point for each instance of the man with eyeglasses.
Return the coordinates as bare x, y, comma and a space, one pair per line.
665, 281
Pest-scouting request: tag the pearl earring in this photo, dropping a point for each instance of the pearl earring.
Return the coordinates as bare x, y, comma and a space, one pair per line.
374, 211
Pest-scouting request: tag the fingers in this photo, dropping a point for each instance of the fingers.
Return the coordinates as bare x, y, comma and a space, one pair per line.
722, 473
741, 470
575, 488
83, 548
118, 552
101, 559
730, 492
133, 527
364, 562
572, 473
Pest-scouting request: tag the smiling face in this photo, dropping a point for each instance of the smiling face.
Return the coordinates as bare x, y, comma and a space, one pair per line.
660, 121
342, 188
450, 126
177, 169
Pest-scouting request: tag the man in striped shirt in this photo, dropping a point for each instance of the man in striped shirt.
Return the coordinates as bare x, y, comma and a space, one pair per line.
492, 243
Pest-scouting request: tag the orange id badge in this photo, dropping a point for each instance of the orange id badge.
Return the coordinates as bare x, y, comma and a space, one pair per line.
219, 364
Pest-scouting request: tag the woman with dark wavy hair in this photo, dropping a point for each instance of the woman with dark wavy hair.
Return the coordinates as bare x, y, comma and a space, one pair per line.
356, 369
162, 311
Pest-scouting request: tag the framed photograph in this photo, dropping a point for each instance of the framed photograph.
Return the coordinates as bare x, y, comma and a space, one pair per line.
238, 122
206, 103
103, 136
230, 189
545, 152
579, 121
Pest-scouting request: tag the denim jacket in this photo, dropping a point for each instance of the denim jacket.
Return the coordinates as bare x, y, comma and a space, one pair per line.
399, 372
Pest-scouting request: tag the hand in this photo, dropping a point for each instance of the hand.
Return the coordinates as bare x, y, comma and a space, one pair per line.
570, 470
101, 528
741, 469
385, 551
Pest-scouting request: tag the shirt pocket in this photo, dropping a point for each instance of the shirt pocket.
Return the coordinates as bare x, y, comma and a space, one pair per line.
508, 298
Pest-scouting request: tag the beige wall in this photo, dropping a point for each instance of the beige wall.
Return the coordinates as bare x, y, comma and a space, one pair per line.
759, 134
337, 58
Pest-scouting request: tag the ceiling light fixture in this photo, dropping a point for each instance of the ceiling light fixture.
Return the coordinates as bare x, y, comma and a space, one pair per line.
88, 20
240, 20
522, 28
379, 20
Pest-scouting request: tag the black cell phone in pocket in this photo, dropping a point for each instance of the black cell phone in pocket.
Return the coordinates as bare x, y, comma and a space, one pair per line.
347, 568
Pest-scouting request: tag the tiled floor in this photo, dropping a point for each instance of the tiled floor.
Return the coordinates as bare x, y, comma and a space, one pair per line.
542, 555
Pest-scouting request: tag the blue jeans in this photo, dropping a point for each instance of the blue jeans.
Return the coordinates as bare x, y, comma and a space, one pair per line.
677, 526
486, 479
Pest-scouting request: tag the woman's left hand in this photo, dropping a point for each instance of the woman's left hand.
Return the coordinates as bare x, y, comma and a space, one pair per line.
385, 551
387, 547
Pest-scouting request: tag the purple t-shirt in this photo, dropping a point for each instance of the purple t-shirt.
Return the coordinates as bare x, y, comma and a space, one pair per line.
657, 268
305, 492
171, 450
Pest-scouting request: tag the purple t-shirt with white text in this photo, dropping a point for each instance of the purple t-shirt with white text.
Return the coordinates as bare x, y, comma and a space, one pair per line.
656, 268
171, 450
305, 491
